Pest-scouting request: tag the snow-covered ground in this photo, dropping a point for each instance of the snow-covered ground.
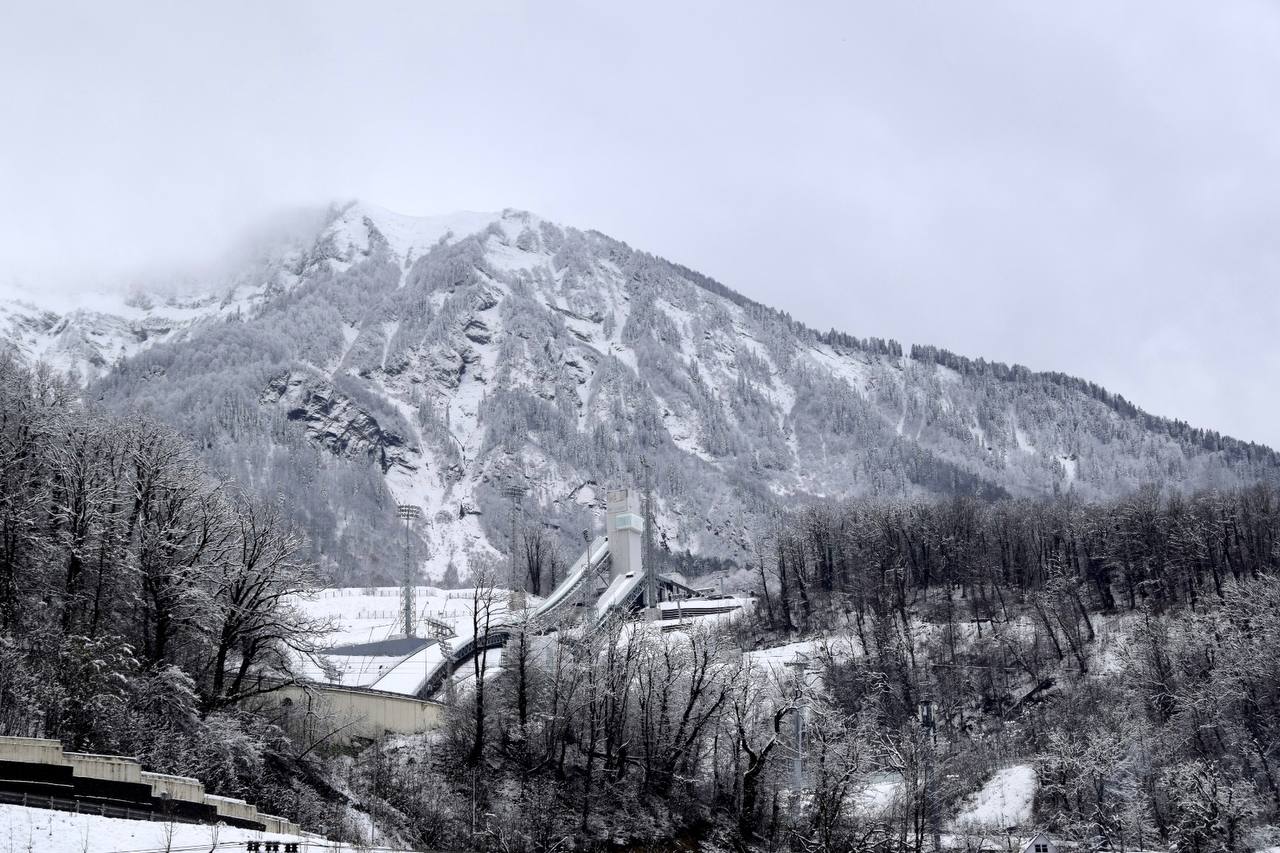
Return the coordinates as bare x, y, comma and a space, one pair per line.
366, 615
370, 614
878, 795
777, 658
26, 830
349, 670
410, 672
1004, 801
815, 652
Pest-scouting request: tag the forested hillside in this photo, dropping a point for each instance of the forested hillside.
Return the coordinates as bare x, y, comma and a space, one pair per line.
452, 362
1121, 658
1128, 649
142, 599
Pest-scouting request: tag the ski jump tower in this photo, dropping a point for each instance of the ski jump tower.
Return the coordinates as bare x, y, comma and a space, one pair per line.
632, 577
626, 532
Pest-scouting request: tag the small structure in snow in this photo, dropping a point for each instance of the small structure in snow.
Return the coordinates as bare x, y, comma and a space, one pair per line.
1040, 843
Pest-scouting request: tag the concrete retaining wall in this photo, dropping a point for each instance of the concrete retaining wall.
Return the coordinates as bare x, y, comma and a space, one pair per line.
175, 787
360, 713
32, 750
278, 824
233, 808
115, 775
110, 768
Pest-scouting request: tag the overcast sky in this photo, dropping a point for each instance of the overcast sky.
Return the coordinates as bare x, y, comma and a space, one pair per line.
1092, 187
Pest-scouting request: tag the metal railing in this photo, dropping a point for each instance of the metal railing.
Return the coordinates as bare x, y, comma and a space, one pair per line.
65, 804
497, 636
494, 639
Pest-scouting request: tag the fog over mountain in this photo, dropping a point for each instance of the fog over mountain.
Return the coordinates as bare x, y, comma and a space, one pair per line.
1086, 187
444, 361
569, 426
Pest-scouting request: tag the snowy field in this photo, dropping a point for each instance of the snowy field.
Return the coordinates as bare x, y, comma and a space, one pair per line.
24, 830
1004, 801
367, 615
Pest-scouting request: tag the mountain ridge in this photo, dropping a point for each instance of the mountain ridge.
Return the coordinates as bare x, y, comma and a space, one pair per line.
456, 368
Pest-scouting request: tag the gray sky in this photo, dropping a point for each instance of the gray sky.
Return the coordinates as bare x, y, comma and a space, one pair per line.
1092, 187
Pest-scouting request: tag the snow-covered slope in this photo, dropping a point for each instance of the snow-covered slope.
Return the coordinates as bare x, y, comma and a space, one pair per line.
457, 357
69, 832
359, 227
87, 332
1004, 801
89, 337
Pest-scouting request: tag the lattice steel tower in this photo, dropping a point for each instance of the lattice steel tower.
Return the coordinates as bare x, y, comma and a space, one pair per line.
408, 590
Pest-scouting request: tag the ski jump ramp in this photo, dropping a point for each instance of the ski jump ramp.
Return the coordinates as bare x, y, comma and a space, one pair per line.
436, 667
618, 552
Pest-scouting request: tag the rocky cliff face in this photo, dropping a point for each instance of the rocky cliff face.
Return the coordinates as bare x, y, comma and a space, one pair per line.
338, 424
468, 358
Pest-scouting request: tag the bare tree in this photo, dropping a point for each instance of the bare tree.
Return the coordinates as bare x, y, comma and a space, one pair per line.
485, 603
252, 616
539, 555
760, 706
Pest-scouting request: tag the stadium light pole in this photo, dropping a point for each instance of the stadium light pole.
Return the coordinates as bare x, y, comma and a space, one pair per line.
408, 514
515, 491
586, 564
647, 555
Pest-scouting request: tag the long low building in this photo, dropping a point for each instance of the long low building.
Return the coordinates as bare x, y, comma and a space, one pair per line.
39, 772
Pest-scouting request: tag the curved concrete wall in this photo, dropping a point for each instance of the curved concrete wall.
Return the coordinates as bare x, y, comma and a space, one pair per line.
362, 713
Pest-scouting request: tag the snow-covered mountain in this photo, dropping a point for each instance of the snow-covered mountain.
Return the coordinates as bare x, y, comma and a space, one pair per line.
89, 339
443, 361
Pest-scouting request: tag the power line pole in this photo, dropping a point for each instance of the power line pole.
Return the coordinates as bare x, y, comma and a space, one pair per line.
799, 721
408, 590
927, 728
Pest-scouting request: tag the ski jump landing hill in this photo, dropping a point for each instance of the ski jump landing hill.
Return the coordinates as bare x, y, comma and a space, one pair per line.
618, 552
390, 687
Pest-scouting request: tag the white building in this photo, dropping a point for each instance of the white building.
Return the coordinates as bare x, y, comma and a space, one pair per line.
626, 532
1040, 843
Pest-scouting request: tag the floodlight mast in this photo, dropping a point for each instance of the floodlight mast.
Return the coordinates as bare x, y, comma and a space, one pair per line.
515, 492
408, 591
648, 557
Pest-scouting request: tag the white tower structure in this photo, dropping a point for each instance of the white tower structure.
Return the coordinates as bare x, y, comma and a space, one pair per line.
625, 531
